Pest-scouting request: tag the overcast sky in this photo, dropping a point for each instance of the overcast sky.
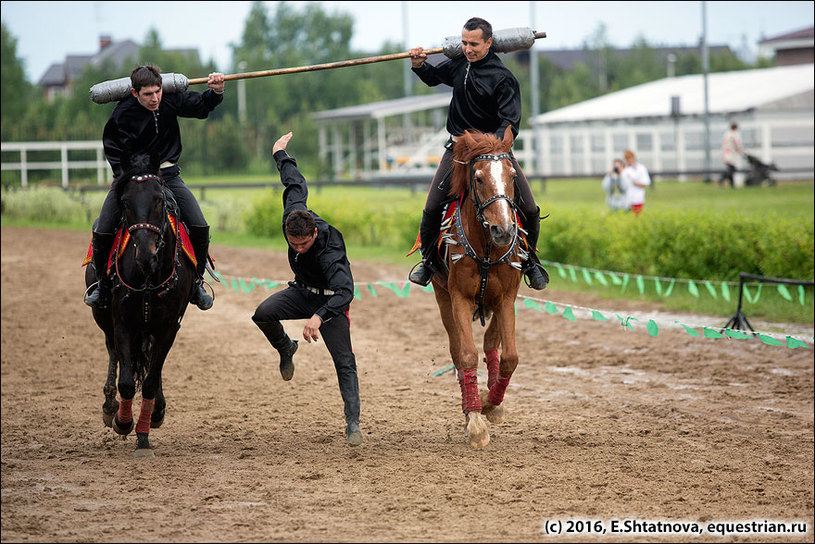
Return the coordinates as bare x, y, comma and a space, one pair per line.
48, 31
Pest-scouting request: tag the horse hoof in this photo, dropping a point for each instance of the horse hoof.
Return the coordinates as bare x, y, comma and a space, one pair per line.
477, 430
108, 419
122, 430
495, 414
143, 452
479, 442
156, 419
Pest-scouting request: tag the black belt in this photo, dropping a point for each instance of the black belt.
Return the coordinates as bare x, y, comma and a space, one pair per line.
318, 290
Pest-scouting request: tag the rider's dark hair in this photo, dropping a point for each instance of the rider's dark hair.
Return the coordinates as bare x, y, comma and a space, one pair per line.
300, 223
148, 75
478, 22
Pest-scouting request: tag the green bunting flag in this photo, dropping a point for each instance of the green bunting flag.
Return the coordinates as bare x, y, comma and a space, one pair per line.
372, 291
710, 333
640, 285
626, 322
586, 276
561, 271
747, 296
428, 288
752, 299
658, 286
768, 340
568, 314
692, 289
245, 288
688, 330
725, 291
670, 288
795, 343
801, 294
652, 328
615, 278
598, 316
573, 275
625, 284
529, 303
356, 292
784, 292
601, 278
550, 308
738, 335
711, 289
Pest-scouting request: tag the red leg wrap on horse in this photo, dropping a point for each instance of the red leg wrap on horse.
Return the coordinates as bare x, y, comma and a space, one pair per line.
492, 367
468, 380
496, 396
125, 414
143, 424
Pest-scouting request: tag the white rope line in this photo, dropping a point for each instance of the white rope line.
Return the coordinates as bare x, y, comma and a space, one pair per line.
675, 324
590, 311
645, 277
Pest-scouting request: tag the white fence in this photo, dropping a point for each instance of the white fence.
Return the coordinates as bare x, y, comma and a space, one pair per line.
64, 164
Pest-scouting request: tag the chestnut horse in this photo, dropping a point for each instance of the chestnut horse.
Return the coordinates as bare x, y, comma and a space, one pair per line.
484, 260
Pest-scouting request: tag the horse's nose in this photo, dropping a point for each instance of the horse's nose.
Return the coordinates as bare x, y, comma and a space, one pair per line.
501, 236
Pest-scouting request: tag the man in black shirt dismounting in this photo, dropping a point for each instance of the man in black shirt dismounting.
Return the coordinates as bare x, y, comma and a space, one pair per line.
487, 98
321, 292
146, 122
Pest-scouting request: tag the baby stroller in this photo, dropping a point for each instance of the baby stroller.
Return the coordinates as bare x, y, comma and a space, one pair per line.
759, 173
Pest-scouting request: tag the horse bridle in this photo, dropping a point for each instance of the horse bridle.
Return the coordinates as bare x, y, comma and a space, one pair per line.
159, 230
484, 263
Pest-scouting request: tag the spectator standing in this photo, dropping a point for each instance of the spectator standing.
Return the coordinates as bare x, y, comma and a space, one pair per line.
614, 188
635, 178
731, 151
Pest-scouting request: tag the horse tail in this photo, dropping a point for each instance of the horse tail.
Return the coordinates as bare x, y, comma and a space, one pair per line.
141, 359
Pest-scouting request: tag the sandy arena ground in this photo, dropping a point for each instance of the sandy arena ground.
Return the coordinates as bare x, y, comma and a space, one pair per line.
602, 424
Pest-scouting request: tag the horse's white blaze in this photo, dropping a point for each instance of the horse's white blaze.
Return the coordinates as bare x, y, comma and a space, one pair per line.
496, 169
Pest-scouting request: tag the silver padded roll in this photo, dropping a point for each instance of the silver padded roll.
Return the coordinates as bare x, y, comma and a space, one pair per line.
117, 89
503, 41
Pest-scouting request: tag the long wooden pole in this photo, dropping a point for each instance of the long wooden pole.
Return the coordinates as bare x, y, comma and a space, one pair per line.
315, 67
327, 66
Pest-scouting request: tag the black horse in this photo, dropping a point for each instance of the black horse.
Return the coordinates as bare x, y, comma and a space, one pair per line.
152, 278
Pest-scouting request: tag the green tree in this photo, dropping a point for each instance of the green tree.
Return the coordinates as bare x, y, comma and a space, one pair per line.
16, 91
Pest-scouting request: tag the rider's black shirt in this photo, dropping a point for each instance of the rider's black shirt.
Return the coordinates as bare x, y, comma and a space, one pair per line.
486, 95
132, 128
325, 265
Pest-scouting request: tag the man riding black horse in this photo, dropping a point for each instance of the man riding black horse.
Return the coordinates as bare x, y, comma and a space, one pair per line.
143, 122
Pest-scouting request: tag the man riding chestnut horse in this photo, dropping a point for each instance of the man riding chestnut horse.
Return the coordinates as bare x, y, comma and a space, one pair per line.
486, 98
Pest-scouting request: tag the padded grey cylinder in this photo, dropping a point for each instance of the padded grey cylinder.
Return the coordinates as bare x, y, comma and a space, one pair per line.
117, 89
503, 41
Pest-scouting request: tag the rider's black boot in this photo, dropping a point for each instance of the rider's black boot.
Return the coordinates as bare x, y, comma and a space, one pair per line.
429, 229
284, 345
536, 274
346, 367
101, 244
199, 236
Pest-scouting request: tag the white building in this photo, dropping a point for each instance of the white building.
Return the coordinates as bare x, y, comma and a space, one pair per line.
663, 123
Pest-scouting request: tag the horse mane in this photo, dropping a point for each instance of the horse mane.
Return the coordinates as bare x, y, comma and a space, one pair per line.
469, 145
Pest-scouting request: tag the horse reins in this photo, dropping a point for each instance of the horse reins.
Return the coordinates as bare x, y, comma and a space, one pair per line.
484, 263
